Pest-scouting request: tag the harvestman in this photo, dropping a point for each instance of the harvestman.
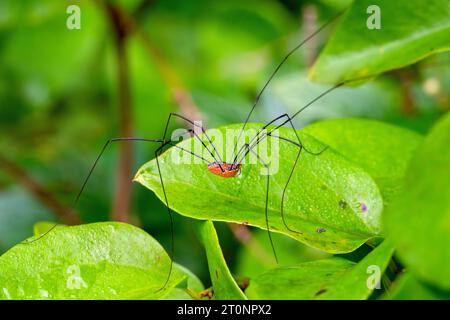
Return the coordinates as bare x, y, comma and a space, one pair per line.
229, 169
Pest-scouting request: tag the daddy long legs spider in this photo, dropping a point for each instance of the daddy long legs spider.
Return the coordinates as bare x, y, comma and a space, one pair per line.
220, 166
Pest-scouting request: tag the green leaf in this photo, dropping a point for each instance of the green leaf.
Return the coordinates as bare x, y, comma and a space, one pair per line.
93, 261
410, 31
256, 256
381, 149
326, 193
408, 287
225, 288
419, 219
333, 278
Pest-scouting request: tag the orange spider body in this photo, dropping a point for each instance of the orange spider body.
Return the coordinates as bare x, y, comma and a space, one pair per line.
225, 170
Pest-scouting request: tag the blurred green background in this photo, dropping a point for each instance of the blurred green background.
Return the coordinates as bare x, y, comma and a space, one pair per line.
60, 101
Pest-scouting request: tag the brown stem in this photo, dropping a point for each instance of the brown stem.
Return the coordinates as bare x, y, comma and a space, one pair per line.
179, 93
122, 199
66, 214
406, 78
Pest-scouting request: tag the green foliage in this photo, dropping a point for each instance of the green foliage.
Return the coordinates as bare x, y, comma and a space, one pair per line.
378, 99
320, 195
409, 32
357, 148
333, 278
419, 219
382, 150
377, 197
256, 256
408, 287
94, 261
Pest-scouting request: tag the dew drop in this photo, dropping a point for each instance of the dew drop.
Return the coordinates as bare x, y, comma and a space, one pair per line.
43, 293
6, 292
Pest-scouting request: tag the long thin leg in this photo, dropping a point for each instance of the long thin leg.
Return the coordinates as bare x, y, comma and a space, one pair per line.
297, 144
255, 137
108, 142
289, 180
266, 213
203, 131
289, 119
278, 68
301, 147
261, 135
100, 155
169, 212
258, 138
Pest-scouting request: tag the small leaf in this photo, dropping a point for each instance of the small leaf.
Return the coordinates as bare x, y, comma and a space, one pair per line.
93, 261
418, 221
333, 204
409, 32
333, 278
224, 286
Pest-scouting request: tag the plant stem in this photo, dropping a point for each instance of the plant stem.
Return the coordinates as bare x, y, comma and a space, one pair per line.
122, 199
180, 94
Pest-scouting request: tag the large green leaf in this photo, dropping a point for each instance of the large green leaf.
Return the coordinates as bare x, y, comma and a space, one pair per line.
224, 286
333, 204
419, 219
181, 292
381, 149
410, 30
94, 261
333, 278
